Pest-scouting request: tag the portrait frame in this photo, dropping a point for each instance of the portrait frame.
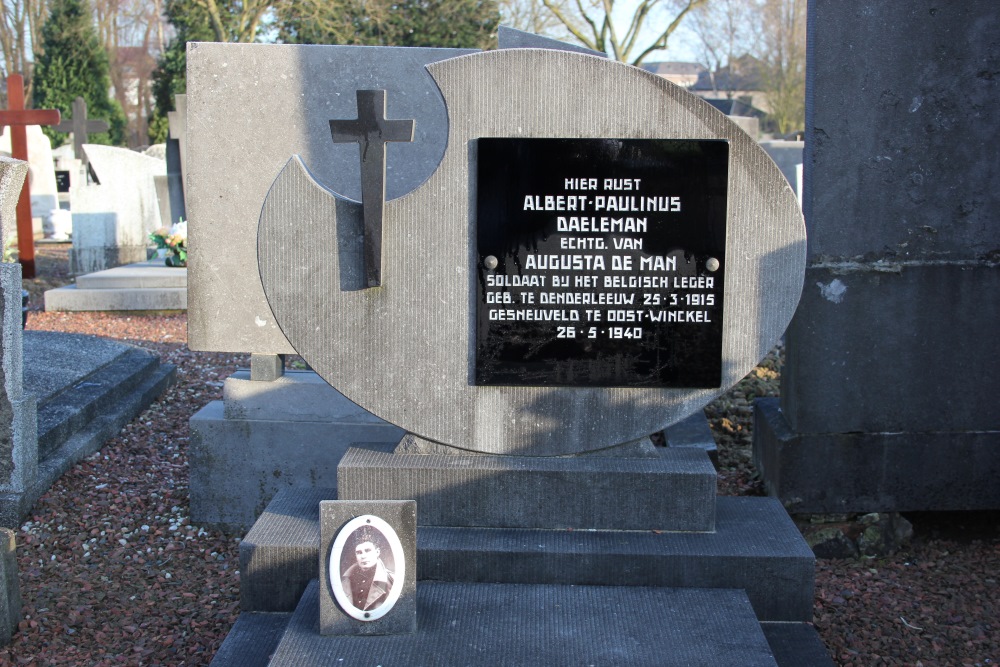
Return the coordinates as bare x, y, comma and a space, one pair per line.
336, 564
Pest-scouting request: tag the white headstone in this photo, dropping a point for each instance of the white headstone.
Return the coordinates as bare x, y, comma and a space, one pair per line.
41, 175
113, 218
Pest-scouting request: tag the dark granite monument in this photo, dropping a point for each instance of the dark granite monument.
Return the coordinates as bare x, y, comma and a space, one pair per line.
885, 401
529, 333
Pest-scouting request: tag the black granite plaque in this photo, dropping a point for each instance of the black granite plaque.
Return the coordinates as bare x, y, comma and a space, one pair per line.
600, 262
62, 181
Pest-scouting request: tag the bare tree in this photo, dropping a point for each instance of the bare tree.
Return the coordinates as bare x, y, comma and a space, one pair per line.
532, 16
726, 30
783, 51
19, 35
596, 25
234, 20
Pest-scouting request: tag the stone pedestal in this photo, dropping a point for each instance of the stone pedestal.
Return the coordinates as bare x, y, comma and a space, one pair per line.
145, 285
267, 436
887, 400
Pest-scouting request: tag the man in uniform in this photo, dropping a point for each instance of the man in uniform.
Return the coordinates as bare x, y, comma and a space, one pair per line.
368, 581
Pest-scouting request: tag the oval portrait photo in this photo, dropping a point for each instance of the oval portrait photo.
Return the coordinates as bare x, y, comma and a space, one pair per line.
366, 568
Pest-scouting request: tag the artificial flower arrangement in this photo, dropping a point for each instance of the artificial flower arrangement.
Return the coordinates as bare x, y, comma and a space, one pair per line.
173, 241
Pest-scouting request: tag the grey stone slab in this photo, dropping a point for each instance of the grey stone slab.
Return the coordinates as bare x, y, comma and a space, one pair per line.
788, 156
116, 409
280, 554
756, 547
252, 640
153, 273
898, 165
397, 614
893, 349
266, 367
232, 161
421, 319
675, 491
57, 361
72, 298
508, 624
693, 431
832, 473
295, 396
511, 38
18, 438
796, 645
237, 465
84, 260
90, 392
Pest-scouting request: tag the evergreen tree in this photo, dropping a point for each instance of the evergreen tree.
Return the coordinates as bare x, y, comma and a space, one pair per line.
72, 63
470, 24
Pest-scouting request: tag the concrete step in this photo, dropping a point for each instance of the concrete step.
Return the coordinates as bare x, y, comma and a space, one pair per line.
72, 298
755, 547
88, 388
153, 274
142, 286
539, 624
255, 637
673, 491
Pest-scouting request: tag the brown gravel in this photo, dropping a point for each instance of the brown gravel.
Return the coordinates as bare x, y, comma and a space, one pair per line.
113, 573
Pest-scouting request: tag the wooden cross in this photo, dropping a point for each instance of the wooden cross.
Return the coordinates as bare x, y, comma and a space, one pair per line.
16, 117
80, 126
371, 130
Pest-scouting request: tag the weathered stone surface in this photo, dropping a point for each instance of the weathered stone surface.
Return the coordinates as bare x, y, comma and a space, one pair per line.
674, 491
510, 624
232, 158
887, 400
420, 319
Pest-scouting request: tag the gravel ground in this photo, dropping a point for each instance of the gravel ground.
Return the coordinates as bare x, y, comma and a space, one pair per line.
113, 573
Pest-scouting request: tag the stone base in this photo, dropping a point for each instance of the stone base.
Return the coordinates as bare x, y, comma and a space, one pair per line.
834, 473
511, 624
142, 286
98, 258
268, 436
755, 547
87, 389
672, 491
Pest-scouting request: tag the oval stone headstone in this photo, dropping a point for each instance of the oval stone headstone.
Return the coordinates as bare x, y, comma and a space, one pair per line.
406, 350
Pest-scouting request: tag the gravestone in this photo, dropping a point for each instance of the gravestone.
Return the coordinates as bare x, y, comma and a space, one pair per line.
176, 158
41, 173
886, 401
562, 281
80, 127
112, 219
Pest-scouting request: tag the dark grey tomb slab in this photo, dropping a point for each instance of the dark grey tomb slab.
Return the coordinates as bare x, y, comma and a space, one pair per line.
508, 624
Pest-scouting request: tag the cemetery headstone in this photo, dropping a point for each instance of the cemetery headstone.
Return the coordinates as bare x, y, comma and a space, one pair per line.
18, 439
41, 175
81, 127
176, 157
560, 281
112, 219
16, 117
886, 401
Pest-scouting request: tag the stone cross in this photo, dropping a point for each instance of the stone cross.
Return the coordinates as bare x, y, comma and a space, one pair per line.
80, 126
17, 117
371, 130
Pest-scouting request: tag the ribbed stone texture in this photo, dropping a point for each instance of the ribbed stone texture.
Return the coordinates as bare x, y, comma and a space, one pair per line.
755, 547
675, 491
410, 356
506, 624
